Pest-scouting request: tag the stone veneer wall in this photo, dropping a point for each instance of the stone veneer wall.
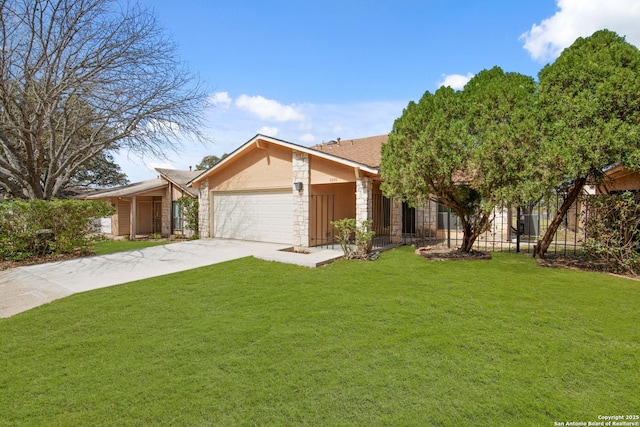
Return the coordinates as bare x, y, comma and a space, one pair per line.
166, 211
364, 199
203, 210
396, 220
301, 201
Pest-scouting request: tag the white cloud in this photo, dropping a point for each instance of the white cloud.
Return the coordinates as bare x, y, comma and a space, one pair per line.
581, 18
268, 109
268, 130
220, 99
307, 138
231, 127
455, 81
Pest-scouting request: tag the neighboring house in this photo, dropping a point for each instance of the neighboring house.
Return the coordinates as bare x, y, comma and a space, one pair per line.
617, 179
150, 206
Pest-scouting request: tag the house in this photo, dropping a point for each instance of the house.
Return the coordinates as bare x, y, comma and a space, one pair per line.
618, 179
149, 207
277, 191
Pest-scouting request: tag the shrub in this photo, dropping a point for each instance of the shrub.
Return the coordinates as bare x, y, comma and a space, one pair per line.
37, 227
190, 206
356, 242
613, 231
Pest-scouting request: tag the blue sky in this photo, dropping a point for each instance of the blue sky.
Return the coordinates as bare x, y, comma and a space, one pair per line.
312, 71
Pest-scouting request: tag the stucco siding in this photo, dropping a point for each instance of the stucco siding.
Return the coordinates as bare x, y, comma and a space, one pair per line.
323, 171
258, 169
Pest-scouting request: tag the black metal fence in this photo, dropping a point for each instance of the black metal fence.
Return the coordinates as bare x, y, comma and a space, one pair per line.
512, 229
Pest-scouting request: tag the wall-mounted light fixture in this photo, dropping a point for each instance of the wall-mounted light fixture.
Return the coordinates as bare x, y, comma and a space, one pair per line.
297, 186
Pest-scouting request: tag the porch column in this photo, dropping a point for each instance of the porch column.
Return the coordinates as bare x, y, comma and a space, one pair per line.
301, 200
203, 210
166, 208
364, 199
396, 220
133, 223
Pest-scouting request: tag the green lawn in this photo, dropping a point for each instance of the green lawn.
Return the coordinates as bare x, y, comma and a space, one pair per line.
398, 341
105, 247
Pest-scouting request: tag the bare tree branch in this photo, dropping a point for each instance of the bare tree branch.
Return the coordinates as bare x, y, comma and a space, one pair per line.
78, 77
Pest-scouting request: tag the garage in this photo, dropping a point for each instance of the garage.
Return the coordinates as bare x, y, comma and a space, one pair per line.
264, 216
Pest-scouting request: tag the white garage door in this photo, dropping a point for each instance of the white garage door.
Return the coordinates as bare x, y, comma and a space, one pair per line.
264, 216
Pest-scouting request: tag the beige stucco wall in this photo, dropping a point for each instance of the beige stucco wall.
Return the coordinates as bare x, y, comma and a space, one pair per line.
258, 168
324, 171
345, 198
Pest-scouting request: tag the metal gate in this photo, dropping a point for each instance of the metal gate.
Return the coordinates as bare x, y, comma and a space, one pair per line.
322, 212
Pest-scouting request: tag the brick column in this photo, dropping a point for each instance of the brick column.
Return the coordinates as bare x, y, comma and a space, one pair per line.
301, 201
364, 199
203, 210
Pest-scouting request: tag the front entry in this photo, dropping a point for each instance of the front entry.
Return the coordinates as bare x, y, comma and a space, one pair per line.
145, 217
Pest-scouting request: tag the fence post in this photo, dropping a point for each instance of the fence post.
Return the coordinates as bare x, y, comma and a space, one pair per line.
449, 227
518, 229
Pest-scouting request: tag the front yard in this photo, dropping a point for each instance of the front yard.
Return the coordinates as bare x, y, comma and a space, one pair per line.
398, 341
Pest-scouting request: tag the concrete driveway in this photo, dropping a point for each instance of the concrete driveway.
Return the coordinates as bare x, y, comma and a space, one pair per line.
27, 287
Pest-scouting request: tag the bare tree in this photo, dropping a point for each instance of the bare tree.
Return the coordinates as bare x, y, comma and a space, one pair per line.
81, 76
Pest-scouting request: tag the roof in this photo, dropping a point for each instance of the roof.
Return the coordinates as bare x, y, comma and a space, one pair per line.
176, 177
259, 137
180, 178
127, 190
367, 151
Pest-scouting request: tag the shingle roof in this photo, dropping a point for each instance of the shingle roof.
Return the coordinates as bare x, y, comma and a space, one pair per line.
128, 190
367, 151
180, 178
177, 177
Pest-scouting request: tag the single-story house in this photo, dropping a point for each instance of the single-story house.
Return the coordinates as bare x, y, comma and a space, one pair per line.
277, 191
149, 207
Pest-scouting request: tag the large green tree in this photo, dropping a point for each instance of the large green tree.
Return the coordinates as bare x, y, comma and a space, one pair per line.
99, 172
467, 150
81, 76
589, 101
210, 161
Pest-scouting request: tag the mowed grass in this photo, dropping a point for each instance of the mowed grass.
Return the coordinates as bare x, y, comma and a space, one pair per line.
398, 341
105, 247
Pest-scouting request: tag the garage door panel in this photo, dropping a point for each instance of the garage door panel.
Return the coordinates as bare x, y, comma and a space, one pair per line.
260, 216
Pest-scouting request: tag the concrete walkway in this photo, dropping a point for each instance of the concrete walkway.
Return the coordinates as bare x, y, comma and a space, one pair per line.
27, 287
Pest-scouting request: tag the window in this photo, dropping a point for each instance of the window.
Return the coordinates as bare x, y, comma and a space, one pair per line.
177, 216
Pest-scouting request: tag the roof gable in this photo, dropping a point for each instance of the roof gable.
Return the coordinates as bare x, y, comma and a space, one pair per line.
180, 178
263, 139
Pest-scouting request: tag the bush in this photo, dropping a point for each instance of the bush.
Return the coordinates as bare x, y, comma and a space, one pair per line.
38, 227
613, 231
356, 242
191, 207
